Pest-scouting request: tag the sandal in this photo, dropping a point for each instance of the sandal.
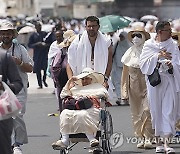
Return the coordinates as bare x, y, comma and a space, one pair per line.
148, 144
140, 145
160, 149
58, 145
169, 150
94, 143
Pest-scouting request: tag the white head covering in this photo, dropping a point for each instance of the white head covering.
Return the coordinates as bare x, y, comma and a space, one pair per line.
95, 76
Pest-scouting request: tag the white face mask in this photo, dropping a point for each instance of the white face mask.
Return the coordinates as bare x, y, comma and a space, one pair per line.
138, 41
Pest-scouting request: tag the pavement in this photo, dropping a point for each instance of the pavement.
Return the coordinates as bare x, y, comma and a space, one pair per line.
33, 85
43, 130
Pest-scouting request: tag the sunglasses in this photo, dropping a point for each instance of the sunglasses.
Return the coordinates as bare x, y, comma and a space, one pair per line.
86, 78
175, 37
136, 34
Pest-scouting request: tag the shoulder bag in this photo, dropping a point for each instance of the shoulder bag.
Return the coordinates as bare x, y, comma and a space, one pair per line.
154, 78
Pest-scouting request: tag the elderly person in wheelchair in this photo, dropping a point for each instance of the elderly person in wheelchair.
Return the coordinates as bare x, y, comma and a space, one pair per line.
88, 87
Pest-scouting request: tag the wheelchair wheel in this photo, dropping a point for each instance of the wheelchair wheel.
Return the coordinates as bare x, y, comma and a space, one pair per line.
107, 131
64, 151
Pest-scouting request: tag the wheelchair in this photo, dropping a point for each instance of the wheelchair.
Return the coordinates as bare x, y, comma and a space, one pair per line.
103, 134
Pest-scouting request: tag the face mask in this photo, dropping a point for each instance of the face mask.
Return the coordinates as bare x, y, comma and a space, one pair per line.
137, 41
138, 38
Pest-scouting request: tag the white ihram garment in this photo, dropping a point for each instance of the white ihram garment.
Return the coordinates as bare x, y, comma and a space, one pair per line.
164, 98
53, 50
79, 53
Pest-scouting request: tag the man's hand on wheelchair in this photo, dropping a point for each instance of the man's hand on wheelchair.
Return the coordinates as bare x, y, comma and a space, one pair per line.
106, 85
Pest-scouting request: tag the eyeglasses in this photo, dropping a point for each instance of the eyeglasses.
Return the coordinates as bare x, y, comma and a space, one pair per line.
93, 26
166, 30
136, 34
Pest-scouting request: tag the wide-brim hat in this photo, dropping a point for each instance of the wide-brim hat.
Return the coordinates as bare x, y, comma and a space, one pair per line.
68, 36
177, 34
138, 29
96, 77
7, 25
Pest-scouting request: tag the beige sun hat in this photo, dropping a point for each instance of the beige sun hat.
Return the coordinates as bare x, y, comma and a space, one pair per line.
138, 29
96, 77
68, 36
7, 25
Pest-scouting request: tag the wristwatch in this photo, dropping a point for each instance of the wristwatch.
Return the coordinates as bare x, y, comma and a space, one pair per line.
21, 63
106, 78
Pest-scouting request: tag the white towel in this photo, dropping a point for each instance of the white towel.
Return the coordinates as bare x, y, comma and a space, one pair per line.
84, 51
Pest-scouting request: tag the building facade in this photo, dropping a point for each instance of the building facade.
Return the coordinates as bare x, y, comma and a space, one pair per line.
164, 9
2, 8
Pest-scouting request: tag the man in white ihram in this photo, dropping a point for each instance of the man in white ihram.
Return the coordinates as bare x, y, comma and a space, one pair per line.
164, 97
92, 50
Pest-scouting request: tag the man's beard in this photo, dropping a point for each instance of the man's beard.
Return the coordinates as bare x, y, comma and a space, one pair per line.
92, 33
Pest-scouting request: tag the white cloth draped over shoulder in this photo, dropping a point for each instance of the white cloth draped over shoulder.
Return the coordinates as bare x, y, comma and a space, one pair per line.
94, 89
164, 98
132, 56
80, 51
53, 50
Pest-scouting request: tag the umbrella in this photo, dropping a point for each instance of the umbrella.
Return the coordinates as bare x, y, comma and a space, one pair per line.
149, 17
26, 29
47, 27
112, 23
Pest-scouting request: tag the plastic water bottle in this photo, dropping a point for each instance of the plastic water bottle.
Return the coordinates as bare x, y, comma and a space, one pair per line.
1, 91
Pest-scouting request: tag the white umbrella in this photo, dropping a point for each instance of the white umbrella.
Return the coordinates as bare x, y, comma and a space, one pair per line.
47, 27
149, 17
26, 29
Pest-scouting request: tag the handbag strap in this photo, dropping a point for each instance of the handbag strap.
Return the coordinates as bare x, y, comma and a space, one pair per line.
5, 67
115, 49
13, 49
158, 65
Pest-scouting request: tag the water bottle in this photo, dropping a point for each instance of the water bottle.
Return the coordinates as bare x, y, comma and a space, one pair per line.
1, 91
